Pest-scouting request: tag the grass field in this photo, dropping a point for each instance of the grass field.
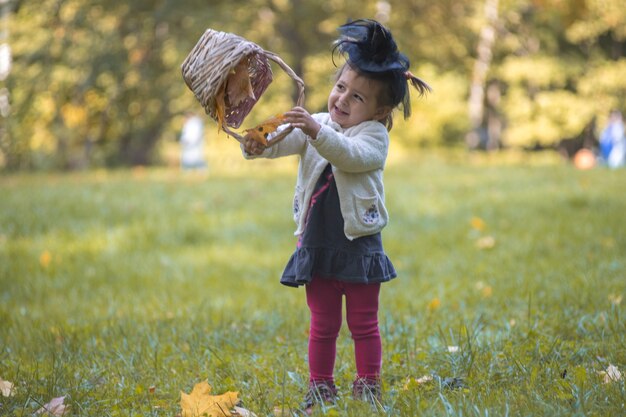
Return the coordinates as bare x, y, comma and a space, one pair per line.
119, 290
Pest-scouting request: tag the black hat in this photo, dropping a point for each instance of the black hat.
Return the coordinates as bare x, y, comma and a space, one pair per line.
370, 47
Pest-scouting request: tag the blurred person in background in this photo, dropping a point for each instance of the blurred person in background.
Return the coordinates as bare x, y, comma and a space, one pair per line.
192, 143
613, 142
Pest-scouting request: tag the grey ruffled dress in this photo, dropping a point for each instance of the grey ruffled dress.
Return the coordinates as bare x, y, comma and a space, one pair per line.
324, 251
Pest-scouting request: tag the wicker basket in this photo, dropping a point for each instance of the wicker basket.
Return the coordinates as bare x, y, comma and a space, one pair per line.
209, 63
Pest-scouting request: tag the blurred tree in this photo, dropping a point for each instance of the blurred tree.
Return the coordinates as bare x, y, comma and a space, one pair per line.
98, 82
101, 82
544, 61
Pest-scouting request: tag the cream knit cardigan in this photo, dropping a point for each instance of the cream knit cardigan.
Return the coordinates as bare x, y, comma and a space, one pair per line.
357, 156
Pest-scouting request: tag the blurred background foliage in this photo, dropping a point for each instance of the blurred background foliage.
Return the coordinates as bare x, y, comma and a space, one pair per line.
97, 83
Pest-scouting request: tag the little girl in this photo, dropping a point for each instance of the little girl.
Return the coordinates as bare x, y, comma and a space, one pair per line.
339, 204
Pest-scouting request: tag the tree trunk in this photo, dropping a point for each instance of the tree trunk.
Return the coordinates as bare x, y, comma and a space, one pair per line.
478, 136
494, 118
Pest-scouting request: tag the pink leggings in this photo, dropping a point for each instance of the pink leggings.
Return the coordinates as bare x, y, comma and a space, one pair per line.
324, 297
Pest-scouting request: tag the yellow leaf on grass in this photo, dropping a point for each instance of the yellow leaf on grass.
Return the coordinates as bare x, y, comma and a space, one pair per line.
6, 388
478, 224
434, 304
238, 86
261, 132
201, 403
45, 258
485, 290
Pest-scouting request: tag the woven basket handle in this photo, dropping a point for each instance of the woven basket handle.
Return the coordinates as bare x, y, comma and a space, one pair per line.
299, 101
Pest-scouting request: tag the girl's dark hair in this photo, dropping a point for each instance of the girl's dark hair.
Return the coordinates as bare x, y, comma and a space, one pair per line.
372, 52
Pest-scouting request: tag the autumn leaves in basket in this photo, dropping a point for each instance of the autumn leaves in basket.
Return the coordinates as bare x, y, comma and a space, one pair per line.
236, 89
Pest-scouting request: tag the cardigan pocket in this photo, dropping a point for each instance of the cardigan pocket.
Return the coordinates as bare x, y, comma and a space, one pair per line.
297, 203
367, 210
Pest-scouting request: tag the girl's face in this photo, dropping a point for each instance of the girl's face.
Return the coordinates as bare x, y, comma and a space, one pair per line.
354, 99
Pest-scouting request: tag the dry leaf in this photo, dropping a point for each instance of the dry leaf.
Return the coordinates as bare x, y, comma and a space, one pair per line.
424, 379
45, 258
240, 411
55, 407
485, 290
7, 388
261, 132
434, 304
486, 242
220, 107
612, 374
478, 224
201, 403
238, 86
412, 382
615, 299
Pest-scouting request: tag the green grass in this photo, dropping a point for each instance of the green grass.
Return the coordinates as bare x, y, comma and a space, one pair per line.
156, 278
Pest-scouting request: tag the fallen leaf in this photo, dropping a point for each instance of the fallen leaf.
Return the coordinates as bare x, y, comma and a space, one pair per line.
434, 304
615, 299
45, 258
486, 242
487, 291
238, 86
414, 383
55, 407
240, 411
478, 224
261, 132
612, 374
7, 388
424, 379
201, 403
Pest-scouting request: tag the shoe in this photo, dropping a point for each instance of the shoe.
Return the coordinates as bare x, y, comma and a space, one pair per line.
368, 390
320, 392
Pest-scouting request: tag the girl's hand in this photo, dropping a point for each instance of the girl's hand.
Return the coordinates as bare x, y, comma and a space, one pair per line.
300, 118
252, 147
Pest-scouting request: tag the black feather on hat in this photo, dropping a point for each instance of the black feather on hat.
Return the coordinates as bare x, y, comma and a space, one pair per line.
370, 48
